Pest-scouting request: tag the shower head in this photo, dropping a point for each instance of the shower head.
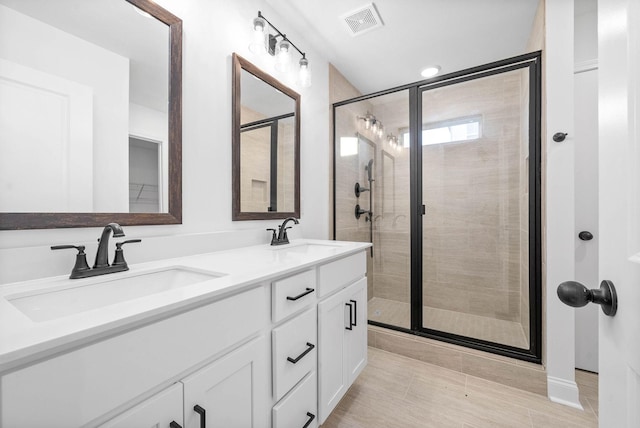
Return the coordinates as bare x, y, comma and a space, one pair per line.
369, 169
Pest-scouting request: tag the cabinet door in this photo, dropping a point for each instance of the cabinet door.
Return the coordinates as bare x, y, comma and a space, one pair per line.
160, 410
233, 391
356, 338
298, 408
333, 320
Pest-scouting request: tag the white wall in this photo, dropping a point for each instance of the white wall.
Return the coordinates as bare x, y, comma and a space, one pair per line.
212, 31
559, 186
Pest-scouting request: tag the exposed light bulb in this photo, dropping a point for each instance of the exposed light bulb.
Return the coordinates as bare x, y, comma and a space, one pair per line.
304, 74
375, 126
258, 38
283, 57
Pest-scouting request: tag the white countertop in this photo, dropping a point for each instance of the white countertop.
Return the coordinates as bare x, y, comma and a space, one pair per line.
23, 340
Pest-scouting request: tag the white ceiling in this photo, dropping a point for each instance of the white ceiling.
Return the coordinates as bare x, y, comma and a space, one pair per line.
455, 34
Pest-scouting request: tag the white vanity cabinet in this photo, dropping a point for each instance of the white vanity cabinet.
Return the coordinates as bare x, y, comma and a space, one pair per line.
342, 333
162, 410
83, 386
232, 391
294, 351
276, 351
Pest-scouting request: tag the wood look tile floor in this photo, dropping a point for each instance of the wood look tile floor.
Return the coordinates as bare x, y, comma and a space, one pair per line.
395, 391
494, 330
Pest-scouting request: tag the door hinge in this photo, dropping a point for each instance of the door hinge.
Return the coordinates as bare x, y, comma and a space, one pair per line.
423, 210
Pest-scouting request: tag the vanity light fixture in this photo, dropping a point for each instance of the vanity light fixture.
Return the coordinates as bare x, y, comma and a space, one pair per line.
263, 41
430, 71
394, 142
283, 57
373, 124
259, 36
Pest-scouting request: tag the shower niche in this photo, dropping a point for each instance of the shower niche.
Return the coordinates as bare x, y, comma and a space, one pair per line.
443, 177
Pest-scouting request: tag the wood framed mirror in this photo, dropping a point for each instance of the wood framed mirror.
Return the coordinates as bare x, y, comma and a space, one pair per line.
265, 145
116, 155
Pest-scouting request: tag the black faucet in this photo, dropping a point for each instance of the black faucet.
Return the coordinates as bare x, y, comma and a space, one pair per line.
101, 265
102, 255
282, 237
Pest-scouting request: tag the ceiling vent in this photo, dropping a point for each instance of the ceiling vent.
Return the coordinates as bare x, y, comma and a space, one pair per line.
362, 20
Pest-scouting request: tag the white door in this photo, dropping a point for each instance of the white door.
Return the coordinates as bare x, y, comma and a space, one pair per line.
619, 196
356, 338
333, 319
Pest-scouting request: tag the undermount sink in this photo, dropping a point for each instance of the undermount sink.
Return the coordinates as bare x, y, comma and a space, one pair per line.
306, 248
93, 293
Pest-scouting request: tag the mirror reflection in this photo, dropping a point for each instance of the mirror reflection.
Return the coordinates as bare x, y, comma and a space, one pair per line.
266, 145
83, 107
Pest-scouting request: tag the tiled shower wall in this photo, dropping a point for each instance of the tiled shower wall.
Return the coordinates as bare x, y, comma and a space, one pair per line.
475, 194
472, 192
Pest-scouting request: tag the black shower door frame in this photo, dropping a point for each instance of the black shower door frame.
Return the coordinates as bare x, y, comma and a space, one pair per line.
531, 61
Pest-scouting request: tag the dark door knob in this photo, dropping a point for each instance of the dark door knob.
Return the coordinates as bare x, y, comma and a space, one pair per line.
559, 137
574, 294
585, 236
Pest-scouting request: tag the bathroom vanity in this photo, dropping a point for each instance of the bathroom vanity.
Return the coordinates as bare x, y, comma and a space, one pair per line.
251, 337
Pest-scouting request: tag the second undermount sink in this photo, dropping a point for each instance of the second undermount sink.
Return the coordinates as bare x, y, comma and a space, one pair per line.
306, 248
92, 293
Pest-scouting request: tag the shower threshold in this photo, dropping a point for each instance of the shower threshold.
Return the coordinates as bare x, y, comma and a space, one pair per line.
395, 313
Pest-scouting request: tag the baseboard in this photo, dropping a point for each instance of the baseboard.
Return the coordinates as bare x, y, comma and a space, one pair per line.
563, 391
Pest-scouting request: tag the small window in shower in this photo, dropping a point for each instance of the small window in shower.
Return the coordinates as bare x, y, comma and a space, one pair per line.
449, 131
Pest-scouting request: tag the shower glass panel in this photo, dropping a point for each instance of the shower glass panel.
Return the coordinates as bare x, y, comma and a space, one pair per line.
475, 240
443, 177
372, 198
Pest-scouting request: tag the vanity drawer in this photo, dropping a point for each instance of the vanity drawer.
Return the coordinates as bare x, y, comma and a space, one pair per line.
336, 275
293, 294
77, 387
299, 408
295, 340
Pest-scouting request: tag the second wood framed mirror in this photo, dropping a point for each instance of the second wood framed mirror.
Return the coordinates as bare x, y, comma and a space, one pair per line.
266, 145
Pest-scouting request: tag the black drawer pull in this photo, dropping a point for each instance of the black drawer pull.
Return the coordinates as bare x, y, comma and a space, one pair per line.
355, 312
311, 418
174, 424
310, 346
308, 291
203, 415
350, 316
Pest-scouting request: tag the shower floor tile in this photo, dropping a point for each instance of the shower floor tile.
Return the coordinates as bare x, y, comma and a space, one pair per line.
397, 313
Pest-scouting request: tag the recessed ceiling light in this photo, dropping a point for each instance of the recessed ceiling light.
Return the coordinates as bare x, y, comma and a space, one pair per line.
430, 71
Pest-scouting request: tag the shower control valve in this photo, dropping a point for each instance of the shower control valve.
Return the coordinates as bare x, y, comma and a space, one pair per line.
359, 211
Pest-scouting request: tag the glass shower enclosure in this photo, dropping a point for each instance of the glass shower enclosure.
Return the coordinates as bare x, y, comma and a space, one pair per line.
443, 177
